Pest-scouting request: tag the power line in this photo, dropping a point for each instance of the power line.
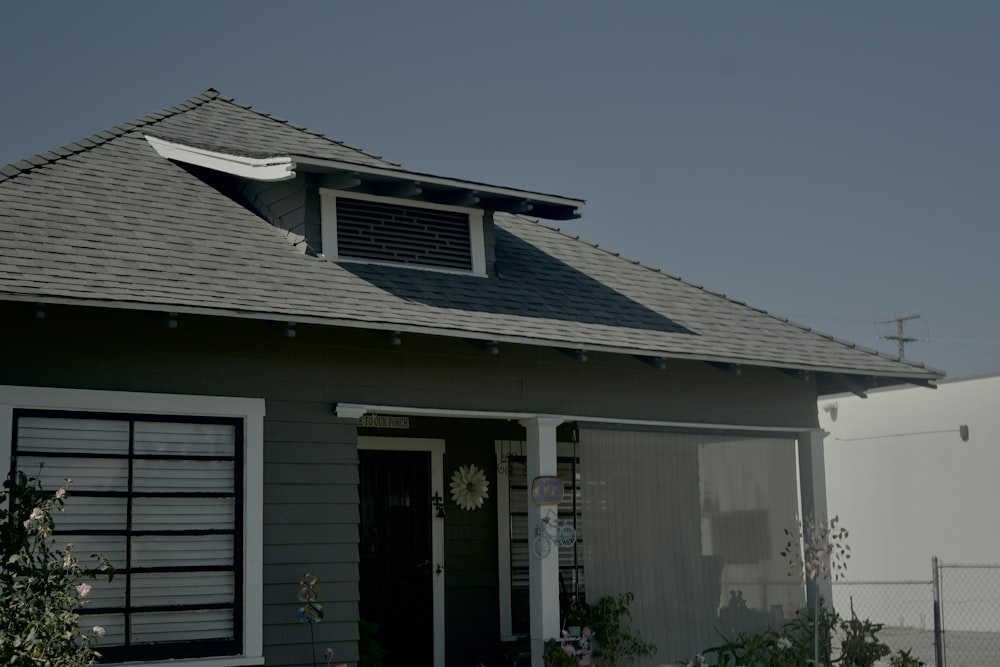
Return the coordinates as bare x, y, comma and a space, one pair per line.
969, 341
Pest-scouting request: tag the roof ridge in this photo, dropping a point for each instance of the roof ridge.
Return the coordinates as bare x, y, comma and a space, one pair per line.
301, 128
104, 136
98, 138
733, 300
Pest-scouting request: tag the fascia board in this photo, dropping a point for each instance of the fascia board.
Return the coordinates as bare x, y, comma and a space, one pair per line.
308, 163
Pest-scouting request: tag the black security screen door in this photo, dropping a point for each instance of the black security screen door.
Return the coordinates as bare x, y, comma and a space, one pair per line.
396, 557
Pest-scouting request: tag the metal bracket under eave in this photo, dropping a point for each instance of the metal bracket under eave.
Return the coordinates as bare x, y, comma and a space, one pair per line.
575, 354
851, 385
659, 363
490, 347
797, 373
732, 369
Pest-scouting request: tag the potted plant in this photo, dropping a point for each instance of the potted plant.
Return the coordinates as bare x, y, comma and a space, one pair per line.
577, 616
558, 654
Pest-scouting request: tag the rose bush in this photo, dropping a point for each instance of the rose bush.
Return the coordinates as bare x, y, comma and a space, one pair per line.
41, 585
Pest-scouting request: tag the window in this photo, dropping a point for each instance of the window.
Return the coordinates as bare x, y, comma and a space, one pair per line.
512, 511
384, 230
698, 518
163, 496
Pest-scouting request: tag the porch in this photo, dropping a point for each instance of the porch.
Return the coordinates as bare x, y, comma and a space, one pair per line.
696, 512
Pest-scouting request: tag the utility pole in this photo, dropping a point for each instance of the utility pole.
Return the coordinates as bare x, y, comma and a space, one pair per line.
899, 337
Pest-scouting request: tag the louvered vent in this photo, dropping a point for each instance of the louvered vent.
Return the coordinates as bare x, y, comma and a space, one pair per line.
403, 234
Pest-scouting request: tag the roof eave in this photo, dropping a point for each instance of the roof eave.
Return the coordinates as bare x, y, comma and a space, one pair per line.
430, 186
840, 379
395, 181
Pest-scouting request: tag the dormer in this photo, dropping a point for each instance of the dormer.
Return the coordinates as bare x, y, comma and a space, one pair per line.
350, 212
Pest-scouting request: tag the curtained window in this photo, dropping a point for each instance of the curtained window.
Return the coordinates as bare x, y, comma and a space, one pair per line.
692, 524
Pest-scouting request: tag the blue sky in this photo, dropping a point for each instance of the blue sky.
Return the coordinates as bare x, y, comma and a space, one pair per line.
836, 163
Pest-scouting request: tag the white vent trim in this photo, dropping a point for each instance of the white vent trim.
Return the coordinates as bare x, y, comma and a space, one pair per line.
328, 213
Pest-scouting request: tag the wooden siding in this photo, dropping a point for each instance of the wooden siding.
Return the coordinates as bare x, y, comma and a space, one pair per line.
310, 479
292, 206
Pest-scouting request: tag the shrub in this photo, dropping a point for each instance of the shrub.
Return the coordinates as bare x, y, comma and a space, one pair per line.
793, 644
41, 586
616, 638
556, 655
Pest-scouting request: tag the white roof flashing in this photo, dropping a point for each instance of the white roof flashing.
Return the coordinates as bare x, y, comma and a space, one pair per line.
274, 168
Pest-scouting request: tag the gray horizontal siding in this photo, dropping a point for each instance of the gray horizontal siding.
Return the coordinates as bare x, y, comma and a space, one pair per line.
310, 478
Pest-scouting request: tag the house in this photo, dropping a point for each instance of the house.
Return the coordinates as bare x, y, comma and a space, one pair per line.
261, 353
912, 474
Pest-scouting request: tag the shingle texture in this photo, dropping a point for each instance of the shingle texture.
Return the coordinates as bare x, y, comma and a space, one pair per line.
105, 220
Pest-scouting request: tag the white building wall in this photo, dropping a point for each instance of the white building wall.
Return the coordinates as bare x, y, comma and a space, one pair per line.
906, 485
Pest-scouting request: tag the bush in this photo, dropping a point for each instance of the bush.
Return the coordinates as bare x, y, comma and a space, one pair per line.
41, 586
556, 655
793, 644
617, 641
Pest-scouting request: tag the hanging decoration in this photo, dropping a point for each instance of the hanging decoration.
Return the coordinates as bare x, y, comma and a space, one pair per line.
311, 611
549, 531
566, 535
541, 546
504, 465
469, 487
511, 461
547, 490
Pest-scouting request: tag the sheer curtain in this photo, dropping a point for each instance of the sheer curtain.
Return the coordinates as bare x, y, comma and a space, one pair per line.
692, 524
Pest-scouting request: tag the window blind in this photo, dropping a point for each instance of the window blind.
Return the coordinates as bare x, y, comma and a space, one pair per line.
159, 497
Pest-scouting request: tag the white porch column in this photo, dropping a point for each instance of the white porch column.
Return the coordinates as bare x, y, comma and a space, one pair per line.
543, 574
812, 485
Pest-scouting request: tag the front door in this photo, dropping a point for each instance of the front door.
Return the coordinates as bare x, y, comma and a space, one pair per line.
397, 560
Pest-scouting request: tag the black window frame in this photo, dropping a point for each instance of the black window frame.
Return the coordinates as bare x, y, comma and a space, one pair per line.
229, 646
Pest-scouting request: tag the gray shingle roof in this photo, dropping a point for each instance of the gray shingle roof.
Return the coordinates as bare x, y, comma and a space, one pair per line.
106, 221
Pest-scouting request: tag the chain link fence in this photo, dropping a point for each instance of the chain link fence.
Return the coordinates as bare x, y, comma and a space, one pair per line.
968, 615
904, 608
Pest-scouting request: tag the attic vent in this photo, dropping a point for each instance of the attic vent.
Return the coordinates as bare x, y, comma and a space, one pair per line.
404, 234
381, 230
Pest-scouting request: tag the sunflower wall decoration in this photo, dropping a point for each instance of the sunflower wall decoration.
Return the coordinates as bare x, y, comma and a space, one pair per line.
469, 487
